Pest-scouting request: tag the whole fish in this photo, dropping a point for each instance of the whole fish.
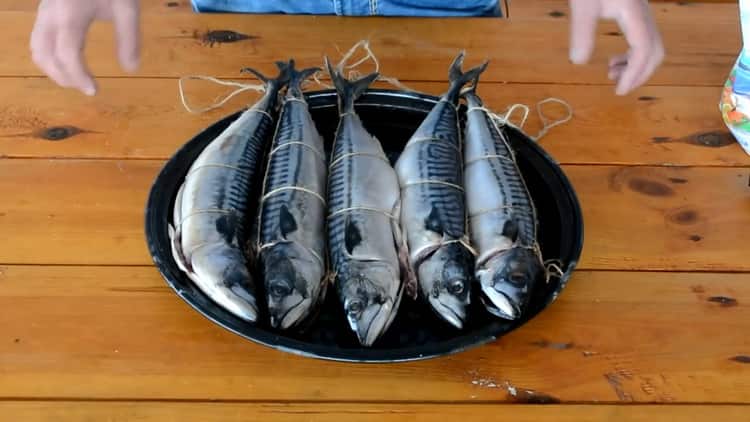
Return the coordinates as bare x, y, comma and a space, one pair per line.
502, 218
363, 197
292, 213
211, 207
433, 214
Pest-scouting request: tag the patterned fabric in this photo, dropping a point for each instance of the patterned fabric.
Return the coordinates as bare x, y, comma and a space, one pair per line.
354, 7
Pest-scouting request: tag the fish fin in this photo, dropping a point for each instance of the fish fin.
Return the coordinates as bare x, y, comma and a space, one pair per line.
287, 223
175, 236
348, 91
352, 236
510, 229
408, 276
458, 78
227, 226
434, 223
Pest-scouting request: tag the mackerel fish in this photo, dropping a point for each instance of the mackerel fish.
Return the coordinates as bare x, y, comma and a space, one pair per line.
209, 239
502, 217
363, 200
433, 214
292, 212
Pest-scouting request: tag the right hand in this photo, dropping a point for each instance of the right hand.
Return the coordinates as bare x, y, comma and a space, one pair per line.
635, 67
59, 34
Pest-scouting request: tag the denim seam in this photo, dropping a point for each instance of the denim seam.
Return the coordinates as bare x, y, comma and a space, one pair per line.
337, 7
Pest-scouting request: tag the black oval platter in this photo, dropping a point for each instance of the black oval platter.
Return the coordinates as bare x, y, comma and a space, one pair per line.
416, 333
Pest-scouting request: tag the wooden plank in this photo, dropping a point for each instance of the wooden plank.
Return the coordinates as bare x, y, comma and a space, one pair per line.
663, 10
120, 333
36, 411
91, 212
149, 6
175, 44
143, 118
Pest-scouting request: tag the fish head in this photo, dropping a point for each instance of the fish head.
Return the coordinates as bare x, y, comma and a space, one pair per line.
445, 278
292, 280
507, 280
225, 277
370, 292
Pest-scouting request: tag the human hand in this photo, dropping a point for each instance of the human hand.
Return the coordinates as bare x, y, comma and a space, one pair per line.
59, 34
629, 70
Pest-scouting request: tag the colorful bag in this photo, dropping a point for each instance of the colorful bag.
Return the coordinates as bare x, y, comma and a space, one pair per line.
735, 97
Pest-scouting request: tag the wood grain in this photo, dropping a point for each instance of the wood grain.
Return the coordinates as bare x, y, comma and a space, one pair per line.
231, 412
176, 44
120, 333
143, 118
91, 212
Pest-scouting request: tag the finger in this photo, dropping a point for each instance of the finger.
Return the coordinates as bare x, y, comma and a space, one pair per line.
618, 60
617, 65
657, 56
583, 21
126, 16
42, 46
615, 73
69, 52
635, 25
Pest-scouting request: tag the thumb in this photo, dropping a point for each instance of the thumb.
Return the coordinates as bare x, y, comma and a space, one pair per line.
126, 17
583, 20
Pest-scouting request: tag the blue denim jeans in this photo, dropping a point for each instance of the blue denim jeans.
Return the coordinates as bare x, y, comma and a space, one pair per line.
422, 8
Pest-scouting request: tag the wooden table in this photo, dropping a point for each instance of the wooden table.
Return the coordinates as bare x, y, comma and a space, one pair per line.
657, 314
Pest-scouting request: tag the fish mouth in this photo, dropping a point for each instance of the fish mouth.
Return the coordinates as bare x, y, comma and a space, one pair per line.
376, 317
499, 304
237, 301
455, 315
293, 315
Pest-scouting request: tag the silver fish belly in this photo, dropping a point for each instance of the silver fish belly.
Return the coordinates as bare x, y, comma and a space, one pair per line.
211, 207
433, 214
502, 218
363, 196
292, 213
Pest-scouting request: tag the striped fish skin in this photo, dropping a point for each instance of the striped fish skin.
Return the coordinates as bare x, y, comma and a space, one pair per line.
502, 218
209, 233
363, 193
433, 214
292, 215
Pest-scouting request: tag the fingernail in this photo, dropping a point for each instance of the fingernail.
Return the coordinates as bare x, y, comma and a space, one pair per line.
89, 90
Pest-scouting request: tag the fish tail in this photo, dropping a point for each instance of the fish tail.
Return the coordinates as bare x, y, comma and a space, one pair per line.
283, 78
458, 78
348, 91
297, 77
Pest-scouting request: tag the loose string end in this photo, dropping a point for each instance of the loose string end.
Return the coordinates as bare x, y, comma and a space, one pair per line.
241, 87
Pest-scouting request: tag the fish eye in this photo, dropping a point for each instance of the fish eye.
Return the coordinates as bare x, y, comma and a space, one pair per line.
456, 287
518, 277
279, 290
354, 307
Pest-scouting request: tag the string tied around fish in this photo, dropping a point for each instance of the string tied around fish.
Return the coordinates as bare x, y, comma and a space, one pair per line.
351, 65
